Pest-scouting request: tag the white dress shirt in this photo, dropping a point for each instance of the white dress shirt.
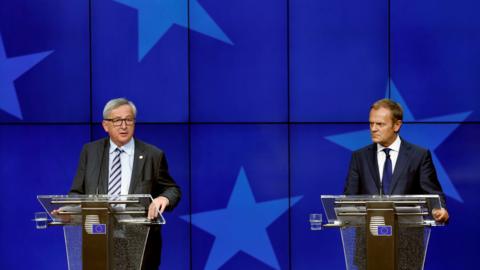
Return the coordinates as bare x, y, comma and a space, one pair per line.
381, 156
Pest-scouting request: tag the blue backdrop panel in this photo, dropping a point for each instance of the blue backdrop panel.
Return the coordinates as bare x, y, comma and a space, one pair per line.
44, 65
140, 51
339, 58
319, 162
455, 245
240, 197
238, 60
318, 167
435, 57
173, 140
232, 61
36, 160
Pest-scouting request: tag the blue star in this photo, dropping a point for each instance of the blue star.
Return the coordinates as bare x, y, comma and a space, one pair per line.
243, 214
429, 136
155, 17
10, 70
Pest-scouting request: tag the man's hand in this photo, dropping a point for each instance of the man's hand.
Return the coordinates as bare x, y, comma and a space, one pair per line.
158, 205
440, 215
63, 218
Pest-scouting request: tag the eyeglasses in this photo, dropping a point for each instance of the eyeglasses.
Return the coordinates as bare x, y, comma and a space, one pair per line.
117, 122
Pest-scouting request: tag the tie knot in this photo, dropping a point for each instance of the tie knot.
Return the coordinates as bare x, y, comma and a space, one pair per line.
118, 150
387, 151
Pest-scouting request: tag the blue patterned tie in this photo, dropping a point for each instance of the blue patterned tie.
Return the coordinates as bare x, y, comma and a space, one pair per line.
387, 172
115, 179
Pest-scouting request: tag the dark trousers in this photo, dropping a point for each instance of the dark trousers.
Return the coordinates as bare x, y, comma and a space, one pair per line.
153, 249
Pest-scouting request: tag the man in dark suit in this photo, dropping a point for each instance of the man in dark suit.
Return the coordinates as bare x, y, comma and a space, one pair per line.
121, 164
392, 165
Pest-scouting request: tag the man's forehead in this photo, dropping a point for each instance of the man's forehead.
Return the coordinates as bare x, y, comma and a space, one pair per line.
380, 115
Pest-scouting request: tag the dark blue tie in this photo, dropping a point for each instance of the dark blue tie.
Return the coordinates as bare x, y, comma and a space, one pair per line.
115, 179
387, 172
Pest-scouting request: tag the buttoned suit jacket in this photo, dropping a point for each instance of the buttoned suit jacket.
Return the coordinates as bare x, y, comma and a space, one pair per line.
414, 173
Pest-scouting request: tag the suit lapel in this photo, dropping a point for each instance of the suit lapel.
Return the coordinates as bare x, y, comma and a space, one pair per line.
373, 165
400, 166
138, 162
103, 153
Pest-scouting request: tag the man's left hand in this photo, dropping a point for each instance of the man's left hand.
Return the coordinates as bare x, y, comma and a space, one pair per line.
440, 215
158, 205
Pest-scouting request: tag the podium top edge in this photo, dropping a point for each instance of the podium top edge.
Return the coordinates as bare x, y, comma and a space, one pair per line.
96, 196
380, 197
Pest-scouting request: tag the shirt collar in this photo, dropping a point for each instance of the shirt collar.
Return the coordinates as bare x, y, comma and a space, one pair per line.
395, 146
127, 148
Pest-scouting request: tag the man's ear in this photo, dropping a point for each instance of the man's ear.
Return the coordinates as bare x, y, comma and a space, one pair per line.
105, 126
397, 126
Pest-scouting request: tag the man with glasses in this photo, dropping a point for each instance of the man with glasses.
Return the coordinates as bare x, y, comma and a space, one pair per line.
121, 164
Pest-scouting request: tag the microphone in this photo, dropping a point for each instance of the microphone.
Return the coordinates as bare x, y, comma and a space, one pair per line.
381, 188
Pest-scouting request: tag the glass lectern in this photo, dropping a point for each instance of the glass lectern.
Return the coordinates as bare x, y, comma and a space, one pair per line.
102, 232
382, 232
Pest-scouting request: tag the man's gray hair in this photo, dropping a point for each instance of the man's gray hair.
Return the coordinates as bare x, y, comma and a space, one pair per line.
115, 103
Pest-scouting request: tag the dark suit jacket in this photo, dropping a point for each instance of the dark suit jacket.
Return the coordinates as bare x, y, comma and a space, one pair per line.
414, 173
149, 176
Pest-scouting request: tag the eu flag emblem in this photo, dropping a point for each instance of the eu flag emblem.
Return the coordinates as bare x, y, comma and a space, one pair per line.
385, 230
99, 229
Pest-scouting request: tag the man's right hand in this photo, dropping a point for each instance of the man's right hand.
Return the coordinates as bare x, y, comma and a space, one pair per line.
63, 218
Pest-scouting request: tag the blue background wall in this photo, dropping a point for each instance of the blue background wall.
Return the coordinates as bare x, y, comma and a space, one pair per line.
258, 105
